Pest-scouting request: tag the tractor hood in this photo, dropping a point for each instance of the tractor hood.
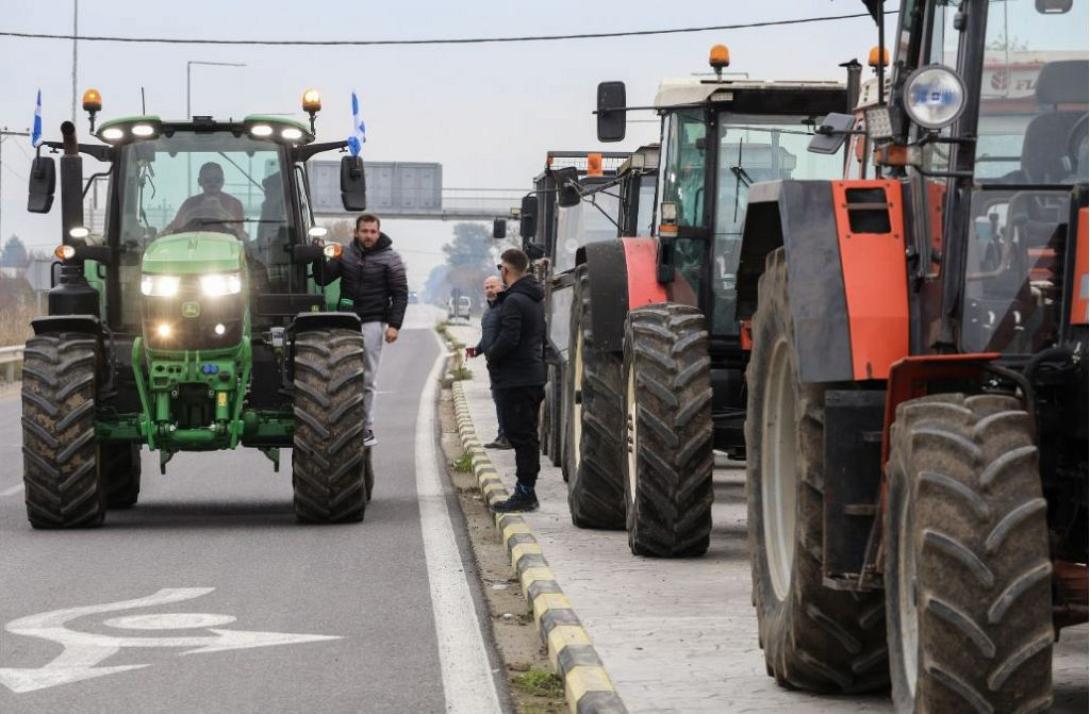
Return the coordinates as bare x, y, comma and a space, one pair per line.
194, 253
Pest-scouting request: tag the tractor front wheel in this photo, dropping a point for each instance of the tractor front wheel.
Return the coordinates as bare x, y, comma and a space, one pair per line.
968, 576
61, 459
594, 449
814, 637
668, 420
328, 460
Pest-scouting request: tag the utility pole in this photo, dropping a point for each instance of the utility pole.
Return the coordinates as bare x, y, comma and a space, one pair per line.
75, 54
4, 134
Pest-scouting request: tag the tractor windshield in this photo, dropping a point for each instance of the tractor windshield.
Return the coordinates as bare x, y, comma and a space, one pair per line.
589, 222
213, 182
752, 149
202, 182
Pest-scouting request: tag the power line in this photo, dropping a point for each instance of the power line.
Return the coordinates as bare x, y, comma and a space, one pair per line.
437, 41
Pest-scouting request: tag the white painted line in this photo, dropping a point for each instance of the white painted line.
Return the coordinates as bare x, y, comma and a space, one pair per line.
467, 674
17, 488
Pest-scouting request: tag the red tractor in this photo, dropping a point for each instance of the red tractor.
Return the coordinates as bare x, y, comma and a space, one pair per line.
917, 383
657, 359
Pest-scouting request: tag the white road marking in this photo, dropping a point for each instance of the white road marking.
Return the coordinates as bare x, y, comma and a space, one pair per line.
83, 650
467, 675
17, 488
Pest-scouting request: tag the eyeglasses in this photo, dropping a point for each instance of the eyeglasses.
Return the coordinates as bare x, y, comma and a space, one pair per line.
500, 267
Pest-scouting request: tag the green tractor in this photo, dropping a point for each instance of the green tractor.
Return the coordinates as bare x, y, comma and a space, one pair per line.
192, 320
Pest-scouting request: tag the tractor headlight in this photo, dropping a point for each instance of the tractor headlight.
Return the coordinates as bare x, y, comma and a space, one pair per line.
934, 96
160, 285
219, 284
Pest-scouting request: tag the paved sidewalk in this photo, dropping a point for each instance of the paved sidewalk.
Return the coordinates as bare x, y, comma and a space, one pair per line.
678, 635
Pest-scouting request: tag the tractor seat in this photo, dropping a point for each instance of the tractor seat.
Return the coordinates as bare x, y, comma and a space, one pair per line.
1045, 145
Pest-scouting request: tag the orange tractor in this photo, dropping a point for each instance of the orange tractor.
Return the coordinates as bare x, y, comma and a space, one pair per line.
917, 383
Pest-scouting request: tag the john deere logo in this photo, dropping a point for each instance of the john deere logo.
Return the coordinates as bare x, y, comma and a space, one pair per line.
191, 309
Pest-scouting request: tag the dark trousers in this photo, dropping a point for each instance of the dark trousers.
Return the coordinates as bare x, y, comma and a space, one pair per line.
519, 407
501, 433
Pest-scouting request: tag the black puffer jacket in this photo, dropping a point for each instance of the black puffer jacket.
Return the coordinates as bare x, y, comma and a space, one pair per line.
374, 279
516, 357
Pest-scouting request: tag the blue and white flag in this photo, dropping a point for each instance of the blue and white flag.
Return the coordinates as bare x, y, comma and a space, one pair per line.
36, 132
359, 129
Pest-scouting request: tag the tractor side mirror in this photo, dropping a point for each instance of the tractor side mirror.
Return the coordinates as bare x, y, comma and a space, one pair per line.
534, 251
499, 228
528, 217
43, 184
353, 184
611, 111
567, 187
1053, 7
831, 133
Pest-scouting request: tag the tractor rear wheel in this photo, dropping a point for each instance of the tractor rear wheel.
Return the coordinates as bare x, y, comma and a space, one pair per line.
120, 464
593, 448
328, 459
968, 576
64, 484
668, 420
814, 637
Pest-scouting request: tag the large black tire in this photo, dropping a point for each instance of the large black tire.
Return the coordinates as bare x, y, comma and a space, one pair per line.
368, 473
814, 637
552, 417
328, 459
120, 464
594, 447
668, 420
968, 586
64, 485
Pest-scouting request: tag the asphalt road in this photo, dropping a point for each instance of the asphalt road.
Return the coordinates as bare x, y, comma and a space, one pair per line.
208, 596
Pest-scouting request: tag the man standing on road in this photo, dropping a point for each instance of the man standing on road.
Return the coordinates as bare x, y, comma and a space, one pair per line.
373, 278
516, 364
490, 325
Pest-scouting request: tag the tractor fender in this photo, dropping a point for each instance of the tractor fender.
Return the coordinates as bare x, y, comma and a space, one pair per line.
325, 320
622, 276
848, 287
88, 324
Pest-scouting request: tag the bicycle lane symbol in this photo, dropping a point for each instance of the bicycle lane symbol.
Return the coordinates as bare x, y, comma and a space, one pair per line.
83, 651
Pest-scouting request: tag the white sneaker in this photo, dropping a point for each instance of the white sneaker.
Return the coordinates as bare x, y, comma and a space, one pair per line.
369, 439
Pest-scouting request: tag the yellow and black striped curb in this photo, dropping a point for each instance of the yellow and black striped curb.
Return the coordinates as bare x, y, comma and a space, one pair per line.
587, 685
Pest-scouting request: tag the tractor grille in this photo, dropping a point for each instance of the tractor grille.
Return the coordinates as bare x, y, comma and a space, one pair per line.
192, 319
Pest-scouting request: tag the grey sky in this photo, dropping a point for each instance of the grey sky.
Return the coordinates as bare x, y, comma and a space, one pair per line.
488, 113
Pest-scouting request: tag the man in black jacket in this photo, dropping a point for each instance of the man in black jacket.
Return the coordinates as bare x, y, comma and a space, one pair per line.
373, 278
490, 326
516, 363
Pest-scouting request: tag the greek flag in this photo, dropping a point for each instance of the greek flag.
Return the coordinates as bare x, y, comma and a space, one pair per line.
36, 132
359, 129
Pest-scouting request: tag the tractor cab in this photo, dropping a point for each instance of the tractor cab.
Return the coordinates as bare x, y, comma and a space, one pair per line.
720, 137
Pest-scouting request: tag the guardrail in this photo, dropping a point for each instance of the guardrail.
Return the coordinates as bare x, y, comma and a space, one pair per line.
10, 359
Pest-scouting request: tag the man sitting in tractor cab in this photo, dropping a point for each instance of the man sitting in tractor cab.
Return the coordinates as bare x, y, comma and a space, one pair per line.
204, 210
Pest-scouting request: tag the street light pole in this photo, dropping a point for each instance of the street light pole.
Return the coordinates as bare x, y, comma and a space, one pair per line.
189, 79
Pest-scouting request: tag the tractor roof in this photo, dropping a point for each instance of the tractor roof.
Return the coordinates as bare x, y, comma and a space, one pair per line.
696, 91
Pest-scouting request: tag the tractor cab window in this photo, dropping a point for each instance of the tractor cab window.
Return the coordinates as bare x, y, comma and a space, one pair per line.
682, 177
752, 149
646, 212
589, 222
212, 182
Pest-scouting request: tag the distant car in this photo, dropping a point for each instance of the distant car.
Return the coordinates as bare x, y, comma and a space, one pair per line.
413, 298
459, 308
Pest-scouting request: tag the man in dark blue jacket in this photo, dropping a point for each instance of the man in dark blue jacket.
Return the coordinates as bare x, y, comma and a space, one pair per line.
490, 325
373, 278
516, 364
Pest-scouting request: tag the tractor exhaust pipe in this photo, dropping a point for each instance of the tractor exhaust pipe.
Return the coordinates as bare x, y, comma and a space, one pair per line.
71, 186
855, 72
